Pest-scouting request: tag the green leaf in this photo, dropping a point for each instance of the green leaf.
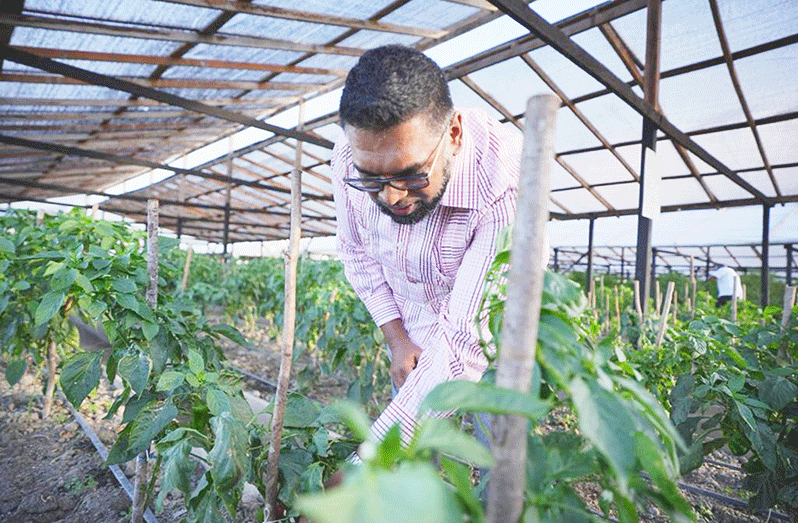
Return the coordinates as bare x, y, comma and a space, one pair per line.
128, 301
354, 417
746, 413
149, 422
777, 392
124, 286
176, 470
63, 279
606, 422
170, 380
135, 369
48, 307
80, 375
218, 401
301, 411
228, 457
6, 246
150, 330
650, 456
84, 283
439, 435
53, 267
15, 370
195, 362
380, 496
484, 397
460, 477
230, 332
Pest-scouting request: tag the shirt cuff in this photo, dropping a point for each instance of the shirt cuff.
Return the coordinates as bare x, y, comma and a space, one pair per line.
382, 307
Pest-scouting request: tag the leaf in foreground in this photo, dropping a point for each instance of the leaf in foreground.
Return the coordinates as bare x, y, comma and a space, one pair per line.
380, 496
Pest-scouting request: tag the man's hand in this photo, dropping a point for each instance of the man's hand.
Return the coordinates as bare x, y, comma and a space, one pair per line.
404, 353
404, 359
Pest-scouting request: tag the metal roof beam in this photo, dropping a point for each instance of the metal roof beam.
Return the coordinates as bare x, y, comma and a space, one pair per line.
520, 12
90, 77
171, 35
127, 160
237, 6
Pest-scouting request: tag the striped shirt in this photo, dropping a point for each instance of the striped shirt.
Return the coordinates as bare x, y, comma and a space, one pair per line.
431, 273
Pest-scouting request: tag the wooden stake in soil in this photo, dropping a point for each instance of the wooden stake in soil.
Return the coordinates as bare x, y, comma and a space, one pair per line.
186, 268
142, 465
289, 323
675, 305
617, 307
638, 308
522, 310
657, 297
52, 365
665, 310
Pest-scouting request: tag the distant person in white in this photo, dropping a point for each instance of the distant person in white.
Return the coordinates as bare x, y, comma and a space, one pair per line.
729, 284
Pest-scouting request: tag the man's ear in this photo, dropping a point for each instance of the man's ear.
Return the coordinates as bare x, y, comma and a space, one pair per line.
456, 132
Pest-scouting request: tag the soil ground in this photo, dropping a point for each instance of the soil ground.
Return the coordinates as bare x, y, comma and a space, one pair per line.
50, 472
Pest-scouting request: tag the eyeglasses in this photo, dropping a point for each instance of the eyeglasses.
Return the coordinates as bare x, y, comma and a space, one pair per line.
410, 182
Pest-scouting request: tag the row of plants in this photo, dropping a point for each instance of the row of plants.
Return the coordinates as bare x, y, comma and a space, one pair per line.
178, 395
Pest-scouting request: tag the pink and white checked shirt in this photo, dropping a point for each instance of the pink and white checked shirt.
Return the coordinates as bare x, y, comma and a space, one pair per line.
431, 273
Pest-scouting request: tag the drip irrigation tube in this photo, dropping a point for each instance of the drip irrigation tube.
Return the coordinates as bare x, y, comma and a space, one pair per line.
734, 502
149, 517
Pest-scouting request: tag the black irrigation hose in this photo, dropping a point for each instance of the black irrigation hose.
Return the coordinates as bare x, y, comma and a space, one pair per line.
725, 465
149, 517
733, 502
251, 376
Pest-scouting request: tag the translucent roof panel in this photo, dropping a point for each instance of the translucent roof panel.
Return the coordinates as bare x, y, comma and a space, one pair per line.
598, 166
594, 42
787, 179
768, 89
281, 29
752, 23
571, 133
429, 14
463, 96
351, 9
368, 39
138, 11
496, 80
614, 119
681, 191
760, 180
624, 196
579, 200
700, 99
32, 37
736, 148
242, 53
113, 69
569, 78
780, 141
726, 189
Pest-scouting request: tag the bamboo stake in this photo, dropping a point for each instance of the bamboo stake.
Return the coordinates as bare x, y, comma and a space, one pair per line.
675, 305
52, 365
289, 325
692, 287
608, 310
142, 465
744, 292
666, 308
522, 309
186, 268
657, 297
617, 307
786, 312
638, 308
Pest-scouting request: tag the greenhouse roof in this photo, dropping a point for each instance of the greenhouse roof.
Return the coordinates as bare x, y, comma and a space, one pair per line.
203, 98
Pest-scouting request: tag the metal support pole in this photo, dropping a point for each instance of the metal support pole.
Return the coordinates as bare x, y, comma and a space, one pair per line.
228, 189
765, 255
556, 260
649, 142
789, 264
653, 264
709, 258
623, 264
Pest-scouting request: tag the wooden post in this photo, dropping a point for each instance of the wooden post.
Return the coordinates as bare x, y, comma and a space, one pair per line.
39, 217
52, 366
186, 268
638, 307
617, 307
289, 325
745, 293
522, 310
142, 465
692, 285
665, 310
675, 305
786, 312
657, 297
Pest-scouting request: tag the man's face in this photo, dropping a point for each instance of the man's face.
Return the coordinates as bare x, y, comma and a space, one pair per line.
410, 148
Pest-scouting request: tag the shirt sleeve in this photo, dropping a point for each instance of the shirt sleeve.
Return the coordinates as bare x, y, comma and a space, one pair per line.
362, 270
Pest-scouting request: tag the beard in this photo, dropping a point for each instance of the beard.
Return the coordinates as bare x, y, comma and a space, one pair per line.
423, 207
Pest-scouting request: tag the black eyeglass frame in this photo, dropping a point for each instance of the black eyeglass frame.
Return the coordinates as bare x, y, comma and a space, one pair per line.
421, 179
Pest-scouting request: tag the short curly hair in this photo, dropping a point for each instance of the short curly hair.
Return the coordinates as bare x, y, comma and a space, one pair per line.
391, 84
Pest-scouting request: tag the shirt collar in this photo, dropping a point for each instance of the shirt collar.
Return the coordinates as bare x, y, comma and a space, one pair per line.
462, 189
